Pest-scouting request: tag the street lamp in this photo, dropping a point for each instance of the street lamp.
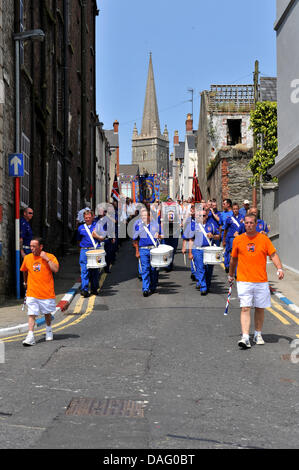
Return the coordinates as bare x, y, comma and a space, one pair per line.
32, 35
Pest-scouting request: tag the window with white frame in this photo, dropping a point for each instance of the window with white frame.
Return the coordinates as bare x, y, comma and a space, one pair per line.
69, 204
59, 190
25, 180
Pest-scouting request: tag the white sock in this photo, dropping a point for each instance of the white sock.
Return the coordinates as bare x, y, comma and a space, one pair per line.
48, 329
256, 333
244, 336
30, 334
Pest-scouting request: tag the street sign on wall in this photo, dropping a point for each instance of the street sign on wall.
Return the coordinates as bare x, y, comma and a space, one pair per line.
16, 164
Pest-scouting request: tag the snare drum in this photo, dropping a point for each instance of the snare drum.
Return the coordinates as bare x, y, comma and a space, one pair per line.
161, 257
212, 255
96, 259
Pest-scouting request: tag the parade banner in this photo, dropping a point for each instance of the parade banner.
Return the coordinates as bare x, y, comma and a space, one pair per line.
147, 189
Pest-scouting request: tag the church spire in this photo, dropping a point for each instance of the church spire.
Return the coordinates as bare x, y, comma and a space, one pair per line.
150, 122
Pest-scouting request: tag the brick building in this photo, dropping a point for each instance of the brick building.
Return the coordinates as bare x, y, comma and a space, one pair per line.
58, 115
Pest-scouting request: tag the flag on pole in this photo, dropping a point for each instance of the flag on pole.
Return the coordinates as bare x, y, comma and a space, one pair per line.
196, 192
115, 189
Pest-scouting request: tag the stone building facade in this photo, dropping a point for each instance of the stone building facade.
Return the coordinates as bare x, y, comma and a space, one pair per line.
7, 146
224, 122
57, 121
228, 176
58, 115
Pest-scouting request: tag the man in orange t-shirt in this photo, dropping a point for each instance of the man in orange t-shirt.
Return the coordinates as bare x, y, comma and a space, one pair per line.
38, 268
249, 253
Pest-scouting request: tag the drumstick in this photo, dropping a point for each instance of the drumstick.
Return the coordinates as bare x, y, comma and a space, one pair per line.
24, 303
228, 297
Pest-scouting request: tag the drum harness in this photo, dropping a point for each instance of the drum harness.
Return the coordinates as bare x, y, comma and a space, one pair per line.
91, 237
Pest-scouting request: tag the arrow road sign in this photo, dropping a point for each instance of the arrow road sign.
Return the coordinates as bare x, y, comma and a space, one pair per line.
16, 164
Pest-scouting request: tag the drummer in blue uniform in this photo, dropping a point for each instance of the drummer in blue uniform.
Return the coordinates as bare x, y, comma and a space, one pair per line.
227, 212
201, 234
214, 216
26, 232
171, 230
243, 210
186, 229
145, 237
261, 225
86, 243
231, 226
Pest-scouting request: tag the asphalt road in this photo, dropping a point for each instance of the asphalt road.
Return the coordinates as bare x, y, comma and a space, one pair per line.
163, 372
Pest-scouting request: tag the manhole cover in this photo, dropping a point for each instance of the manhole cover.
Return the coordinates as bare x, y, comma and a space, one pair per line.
107, 407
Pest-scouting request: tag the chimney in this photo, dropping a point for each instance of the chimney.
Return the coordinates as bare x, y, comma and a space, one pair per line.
115, 126
189, 123
176, 138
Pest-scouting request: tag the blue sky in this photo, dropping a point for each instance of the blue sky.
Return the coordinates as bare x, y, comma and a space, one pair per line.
194, 44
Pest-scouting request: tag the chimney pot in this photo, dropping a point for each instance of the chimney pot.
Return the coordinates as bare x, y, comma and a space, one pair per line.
115, 126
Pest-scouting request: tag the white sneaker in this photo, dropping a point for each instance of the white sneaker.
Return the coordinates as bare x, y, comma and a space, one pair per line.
49, 335
29, 340
258, 339
244, 343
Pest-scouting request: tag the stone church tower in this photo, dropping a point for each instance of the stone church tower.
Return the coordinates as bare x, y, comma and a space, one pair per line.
150, 149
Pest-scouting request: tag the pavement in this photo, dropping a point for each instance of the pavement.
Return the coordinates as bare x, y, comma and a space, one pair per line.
13, 319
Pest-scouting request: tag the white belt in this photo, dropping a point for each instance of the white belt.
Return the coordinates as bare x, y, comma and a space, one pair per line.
197, 248
26, 247
146, 247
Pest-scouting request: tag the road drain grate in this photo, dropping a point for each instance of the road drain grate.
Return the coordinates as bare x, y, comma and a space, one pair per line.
107, 407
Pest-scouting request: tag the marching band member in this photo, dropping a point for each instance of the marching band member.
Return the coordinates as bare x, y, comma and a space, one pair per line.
145, 237
200, 234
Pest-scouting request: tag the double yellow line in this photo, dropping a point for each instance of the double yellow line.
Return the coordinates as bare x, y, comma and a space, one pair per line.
69, 320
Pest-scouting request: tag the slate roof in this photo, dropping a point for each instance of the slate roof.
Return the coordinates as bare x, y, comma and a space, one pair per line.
112, 138
191, 140
268, 89
129, 170
179, 151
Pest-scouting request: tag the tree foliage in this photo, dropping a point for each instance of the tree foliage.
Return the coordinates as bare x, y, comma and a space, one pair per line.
263, 122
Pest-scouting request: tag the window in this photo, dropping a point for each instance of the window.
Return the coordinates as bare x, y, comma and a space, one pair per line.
25, 180
59, 190
69, 204
47, 195
234, 134
59, 98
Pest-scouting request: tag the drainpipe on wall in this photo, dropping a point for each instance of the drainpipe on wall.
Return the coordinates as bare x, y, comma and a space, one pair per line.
65, 165
85, 188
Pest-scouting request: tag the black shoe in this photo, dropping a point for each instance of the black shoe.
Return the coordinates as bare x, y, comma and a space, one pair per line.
193, 277
84, 293
94, 292
204, 292
198, 287
146, 293
227, 270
